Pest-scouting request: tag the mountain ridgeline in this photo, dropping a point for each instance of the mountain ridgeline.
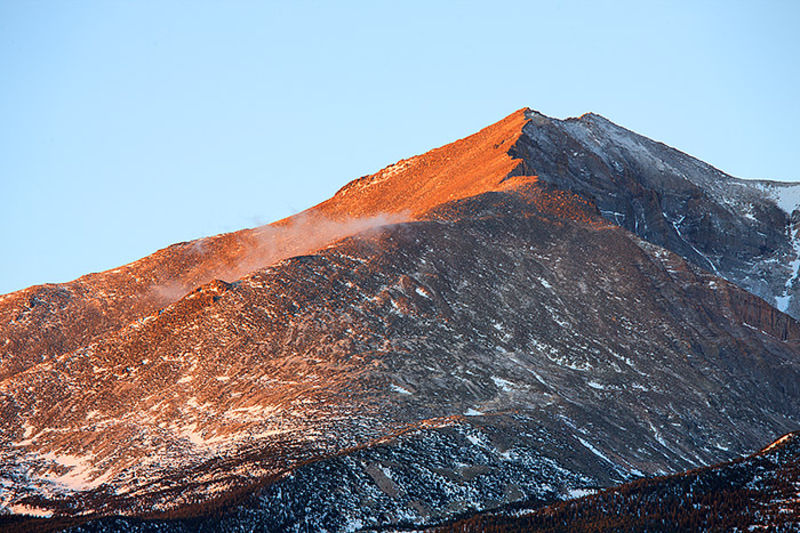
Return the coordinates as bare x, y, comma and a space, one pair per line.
539, 311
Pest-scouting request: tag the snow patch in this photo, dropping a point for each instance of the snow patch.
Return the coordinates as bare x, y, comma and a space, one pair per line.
400, 390
501, 383
474, 440
30, 510
785, 196
657, 435
79, 475
28, 437
538, 377
782, 302
580, 493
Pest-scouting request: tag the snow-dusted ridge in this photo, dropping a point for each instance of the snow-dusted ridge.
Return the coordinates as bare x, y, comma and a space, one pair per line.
742, 230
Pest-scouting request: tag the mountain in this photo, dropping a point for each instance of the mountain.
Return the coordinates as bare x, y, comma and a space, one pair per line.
541, 309
751, 494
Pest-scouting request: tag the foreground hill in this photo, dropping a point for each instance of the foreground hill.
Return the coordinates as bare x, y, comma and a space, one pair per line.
485, 336
757, 493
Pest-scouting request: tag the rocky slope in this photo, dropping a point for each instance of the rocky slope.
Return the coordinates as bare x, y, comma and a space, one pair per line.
742, 230
757, 493
486, 336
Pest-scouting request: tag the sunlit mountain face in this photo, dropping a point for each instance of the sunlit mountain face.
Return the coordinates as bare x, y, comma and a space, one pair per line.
534, 313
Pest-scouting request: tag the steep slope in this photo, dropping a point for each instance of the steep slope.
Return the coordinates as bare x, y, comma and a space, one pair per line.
757, 493
519, 346
478, 164
744, 231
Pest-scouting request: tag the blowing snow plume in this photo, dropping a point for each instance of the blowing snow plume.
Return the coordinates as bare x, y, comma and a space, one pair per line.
231, 256
303, 234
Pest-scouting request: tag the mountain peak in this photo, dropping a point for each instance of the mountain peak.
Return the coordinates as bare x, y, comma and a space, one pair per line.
591, 115
475, 164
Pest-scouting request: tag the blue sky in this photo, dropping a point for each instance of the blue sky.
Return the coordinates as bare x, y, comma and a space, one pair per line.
127, 126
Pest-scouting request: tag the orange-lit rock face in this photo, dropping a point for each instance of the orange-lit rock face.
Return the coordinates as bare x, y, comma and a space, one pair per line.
473, 165
44, 321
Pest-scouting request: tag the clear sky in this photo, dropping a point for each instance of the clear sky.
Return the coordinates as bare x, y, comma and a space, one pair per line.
127, 126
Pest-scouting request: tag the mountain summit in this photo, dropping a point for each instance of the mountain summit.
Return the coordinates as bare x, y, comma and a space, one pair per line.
538, 310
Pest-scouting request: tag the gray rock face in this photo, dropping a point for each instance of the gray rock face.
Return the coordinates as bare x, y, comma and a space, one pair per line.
742, 230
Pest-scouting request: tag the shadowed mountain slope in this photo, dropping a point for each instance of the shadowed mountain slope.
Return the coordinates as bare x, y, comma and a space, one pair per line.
743, 230
757, 493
